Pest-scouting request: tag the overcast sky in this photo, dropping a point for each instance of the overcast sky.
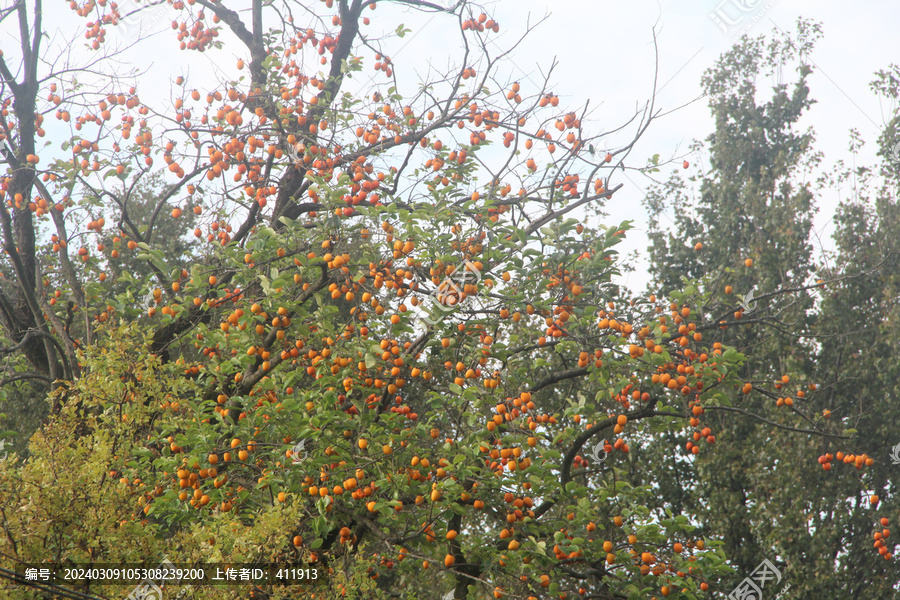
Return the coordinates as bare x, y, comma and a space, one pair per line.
605, 54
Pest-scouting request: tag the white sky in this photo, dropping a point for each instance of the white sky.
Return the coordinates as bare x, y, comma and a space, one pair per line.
605, 54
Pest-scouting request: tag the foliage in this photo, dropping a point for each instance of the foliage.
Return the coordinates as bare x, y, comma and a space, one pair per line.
763, 488
392, 352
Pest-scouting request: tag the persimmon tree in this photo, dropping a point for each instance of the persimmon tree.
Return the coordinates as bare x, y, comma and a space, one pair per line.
392, 349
